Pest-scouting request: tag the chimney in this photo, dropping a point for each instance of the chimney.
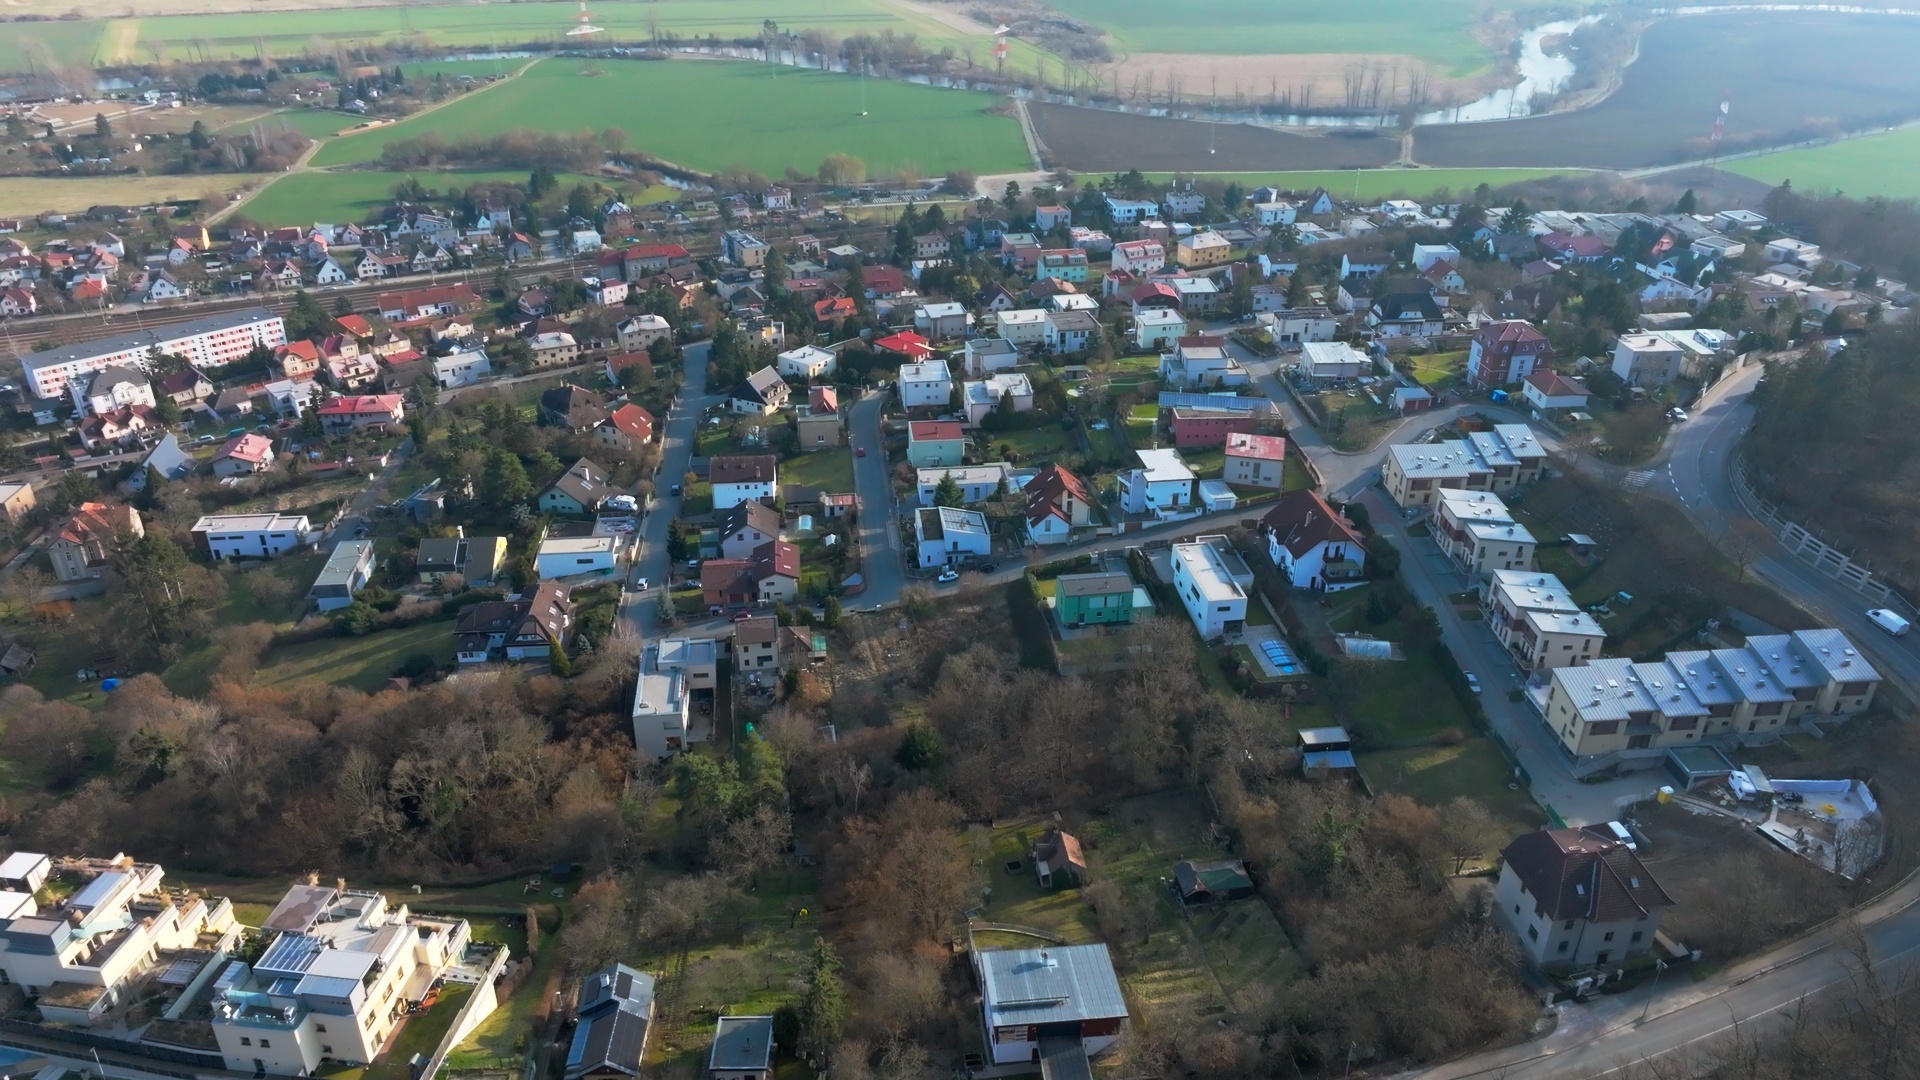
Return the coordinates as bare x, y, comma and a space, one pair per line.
313, 877
460, 532
340, 884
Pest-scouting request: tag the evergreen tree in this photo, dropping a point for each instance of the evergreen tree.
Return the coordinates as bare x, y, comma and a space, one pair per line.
197, 136
823, 1007
947, 492
540, 182
830, 614
1688, 203
306, 318
920, 750
101, 128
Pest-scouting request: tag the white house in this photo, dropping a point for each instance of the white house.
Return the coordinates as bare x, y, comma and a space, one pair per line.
942, 322
1131, 211
1026, 327
1646, 360
346, 572
1314, 545
1275, 214
1214, 600
926, 385
983, 396
944, 535
984, 356
1158, 328
1160, 484
258, 536
806, 362
1788, 250
566, 556
1327, 361
1067, 995
1070, 331
1201, 361
112, 388
977, 483
461, 369
1425, 255
737, 478
1140, 257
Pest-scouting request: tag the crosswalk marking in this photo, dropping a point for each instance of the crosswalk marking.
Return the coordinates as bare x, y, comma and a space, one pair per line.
1639, 479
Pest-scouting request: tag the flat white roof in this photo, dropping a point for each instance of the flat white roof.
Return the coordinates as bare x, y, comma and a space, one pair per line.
1157, 466
251, 523
930, 371
576, 545
1022, 315
1159, 316
1208, 572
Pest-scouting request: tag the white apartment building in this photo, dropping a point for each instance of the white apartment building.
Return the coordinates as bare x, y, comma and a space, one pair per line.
1214, 600
82, 955
210, 342
1158, 328
1615, 706
982, 396
1499, 460
1477, 531
806, 362
1140, 257
1534, 616
1162, 483
339, 975
249, 536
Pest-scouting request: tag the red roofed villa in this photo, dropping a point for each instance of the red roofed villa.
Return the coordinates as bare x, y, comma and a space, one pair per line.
361, 412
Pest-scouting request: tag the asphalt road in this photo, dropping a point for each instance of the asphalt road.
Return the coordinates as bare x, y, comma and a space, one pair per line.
676, 453
884, 559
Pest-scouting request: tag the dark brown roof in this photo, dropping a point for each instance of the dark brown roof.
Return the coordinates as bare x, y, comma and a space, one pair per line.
742, 469
1303, 520
1581, 874
751, 514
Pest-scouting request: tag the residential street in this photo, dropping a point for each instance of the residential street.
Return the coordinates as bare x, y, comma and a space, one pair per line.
883, 565
676, 451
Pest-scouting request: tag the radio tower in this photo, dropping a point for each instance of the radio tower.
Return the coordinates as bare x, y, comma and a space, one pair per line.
1000, 48
586, 26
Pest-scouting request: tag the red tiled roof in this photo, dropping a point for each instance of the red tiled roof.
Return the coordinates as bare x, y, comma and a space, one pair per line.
96, 521
1155, 290
1549, 382
934, 430
840, 307
355, 325
905, 343
632, 420
354, 405
1264, 447
1516, 330
620, 362
823, 399
252, 448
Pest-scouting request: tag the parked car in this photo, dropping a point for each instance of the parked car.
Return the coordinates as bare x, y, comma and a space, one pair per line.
1473, 681
859, 451
948, 575
674, 491
741, 616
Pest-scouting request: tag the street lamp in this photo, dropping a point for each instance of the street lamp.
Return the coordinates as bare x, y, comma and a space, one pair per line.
96, 1063
1660, 966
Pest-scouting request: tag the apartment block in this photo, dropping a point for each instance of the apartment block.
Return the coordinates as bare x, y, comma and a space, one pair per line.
342, 971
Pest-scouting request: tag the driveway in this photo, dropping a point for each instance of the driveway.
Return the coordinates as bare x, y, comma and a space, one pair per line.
374, 492
676, 453
883, 557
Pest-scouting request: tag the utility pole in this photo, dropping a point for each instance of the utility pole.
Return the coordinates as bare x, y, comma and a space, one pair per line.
1660, 967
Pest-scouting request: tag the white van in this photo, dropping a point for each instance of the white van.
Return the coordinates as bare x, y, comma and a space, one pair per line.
1890, 621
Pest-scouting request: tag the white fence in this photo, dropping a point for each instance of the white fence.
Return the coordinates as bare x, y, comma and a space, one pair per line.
1808, 548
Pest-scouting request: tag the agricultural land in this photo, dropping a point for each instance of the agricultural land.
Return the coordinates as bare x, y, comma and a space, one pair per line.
1886, 165
715, 114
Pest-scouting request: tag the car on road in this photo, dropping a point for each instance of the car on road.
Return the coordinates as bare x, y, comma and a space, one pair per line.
987, 567
1891, 621
1473, 681
859, 451
948, 576
674, 491
741, 616
1677, 414
640, 585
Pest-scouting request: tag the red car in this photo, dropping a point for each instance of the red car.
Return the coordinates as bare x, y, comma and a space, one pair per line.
742, 616
859, 451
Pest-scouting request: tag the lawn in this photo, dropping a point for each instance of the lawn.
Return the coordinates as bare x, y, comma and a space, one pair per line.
1435, 775
1400, 701
714, 114
1887, 164
25, 196
1369, 184
499, 1040
1032, 445
1439, 31
354, 196
828, 470
1204, 959
1208, 463
313, 123
359, 663
1353, 423
1439, 371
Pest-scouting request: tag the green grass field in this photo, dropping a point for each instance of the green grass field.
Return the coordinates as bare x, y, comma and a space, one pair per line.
1439, 31
1435, 775
1378, 183
303, 198
712, 114
471, 23
313, 123
1887, 165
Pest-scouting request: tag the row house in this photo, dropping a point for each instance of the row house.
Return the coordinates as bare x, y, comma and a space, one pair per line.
1535, 618
1500, 460
1477, 531
1616, 706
